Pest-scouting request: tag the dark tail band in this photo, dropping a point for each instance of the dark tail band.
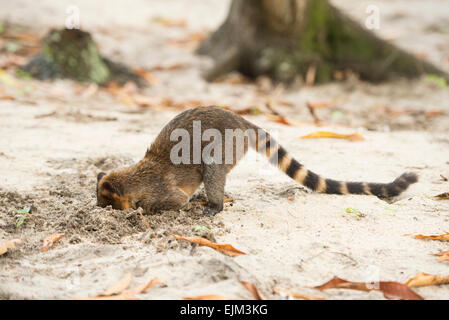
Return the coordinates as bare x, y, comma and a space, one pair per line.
278, 156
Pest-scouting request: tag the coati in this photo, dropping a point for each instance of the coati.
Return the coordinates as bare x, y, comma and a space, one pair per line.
158, 183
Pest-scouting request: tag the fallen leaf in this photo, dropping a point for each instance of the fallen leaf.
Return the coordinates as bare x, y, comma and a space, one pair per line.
171, 67
146, 75
281, 120
253, 290
424, 279
224, 248
144, 287
10, 244
391, 290
119, 286
443, 196
118, 291
50, 240
208, 297
115, 297
296, 295
322, 104
434, 113
440, 237
191, 39
443, 256
203, 203
143, 101
250, 110
325, 134
6, 97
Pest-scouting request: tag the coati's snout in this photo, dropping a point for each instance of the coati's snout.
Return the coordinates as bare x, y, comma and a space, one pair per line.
110, 193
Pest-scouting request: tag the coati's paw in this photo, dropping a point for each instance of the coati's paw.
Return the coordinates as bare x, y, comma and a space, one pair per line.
210, 212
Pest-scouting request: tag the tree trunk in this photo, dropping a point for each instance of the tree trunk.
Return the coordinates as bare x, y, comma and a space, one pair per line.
74, 55
284, 38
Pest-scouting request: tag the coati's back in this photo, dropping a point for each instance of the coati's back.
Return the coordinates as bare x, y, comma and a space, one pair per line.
217, 118
211, 117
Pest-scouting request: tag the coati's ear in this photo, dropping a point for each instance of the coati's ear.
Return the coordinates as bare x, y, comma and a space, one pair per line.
99, 176
108, 186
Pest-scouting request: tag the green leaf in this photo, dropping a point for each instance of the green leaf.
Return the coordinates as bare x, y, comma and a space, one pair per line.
201, 228
336, 115
22, 74
24, 210
439, 81
21, 220
352, 210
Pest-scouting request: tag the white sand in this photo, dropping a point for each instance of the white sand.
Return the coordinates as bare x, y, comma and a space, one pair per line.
51, 163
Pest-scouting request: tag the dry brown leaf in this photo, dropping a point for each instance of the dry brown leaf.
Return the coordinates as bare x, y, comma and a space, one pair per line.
143, 101
326, 134
119, 286
434, 113
119, 292
191, 39
391, 290
280, 119
443, 196
6, 97
146, 75
440, 237
208, 297
253, 290
50, 240
115, 297
10, 244
171, 67
203, 203
424, 279
224, 248
144, 287
322, 104
296, 295
244, 111
443, 256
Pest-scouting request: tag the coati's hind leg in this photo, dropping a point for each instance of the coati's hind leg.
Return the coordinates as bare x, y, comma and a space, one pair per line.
214, 179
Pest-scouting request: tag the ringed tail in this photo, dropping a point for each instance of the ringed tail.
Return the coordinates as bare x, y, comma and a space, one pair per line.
279, 156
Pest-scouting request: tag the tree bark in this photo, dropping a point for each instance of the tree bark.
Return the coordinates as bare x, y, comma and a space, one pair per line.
72, 54
284, 38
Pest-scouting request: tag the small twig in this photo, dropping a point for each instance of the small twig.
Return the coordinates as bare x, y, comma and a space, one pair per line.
269, 106
313, 113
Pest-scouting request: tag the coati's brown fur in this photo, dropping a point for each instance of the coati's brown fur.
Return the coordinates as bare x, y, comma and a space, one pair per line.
155, 183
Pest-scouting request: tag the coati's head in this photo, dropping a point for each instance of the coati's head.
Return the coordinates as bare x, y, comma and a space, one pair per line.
110, 191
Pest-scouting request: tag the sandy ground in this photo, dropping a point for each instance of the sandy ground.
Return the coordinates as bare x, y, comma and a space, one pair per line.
55, 140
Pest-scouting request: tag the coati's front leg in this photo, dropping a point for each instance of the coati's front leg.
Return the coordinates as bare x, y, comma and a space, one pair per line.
214, 179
